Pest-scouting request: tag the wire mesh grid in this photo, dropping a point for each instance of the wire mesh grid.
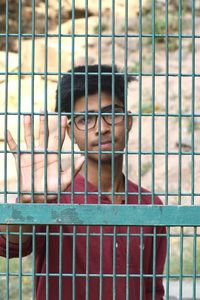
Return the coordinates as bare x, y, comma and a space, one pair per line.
141, 117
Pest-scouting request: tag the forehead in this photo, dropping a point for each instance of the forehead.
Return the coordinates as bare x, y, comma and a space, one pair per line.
93, 102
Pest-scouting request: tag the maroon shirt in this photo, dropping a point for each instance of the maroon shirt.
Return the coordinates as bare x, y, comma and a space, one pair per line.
133, 267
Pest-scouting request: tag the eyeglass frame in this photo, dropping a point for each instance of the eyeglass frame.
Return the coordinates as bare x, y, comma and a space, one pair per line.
96, 115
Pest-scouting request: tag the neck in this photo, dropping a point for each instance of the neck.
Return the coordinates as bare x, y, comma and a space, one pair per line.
106, 175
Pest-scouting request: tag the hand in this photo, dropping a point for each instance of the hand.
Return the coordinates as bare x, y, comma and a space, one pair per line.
26, 168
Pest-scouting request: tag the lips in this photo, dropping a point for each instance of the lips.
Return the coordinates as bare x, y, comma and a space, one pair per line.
106, 146
103, 143
106, 142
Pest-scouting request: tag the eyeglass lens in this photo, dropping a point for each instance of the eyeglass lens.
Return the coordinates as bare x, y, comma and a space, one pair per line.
106, 114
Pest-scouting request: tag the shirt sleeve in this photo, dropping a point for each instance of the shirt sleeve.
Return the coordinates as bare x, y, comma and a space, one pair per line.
160, 263
14, 249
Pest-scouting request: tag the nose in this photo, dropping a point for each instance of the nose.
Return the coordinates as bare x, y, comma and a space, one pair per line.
104, 127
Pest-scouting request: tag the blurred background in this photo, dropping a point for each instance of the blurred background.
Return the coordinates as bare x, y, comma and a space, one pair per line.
38, 42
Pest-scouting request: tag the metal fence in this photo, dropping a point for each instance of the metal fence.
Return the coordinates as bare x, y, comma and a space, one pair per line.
156, 44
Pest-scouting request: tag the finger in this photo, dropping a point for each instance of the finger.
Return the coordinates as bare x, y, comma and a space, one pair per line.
63, 129
66, 175
43, 131
11, 143
60, 137
27, 130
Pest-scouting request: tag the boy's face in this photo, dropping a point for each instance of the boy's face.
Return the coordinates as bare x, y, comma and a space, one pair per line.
99, 136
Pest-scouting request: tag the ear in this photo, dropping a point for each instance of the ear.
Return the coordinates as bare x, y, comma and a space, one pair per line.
69, 133
130, 122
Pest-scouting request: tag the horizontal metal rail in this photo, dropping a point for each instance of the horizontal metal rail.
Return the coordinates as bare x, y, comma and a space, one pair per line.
91, 214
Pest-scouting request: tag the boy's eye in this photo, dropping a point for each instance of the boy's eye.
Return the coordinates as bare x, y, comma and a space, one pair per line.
91, 118
82, 119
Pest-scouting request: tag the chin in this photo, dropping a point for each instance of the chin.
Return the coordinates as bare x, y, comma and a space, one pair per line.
105, 158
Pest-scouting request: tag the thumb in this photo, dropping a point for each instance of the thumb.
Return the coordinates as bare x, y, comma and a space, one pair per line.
78, 164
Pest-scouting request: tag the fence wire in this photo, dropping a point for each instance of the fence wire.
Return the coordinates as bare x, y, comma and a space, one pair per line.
115, 82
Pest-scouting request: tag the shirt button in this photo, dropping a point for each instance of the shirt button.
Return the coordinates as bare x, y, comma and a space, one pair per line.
116, 245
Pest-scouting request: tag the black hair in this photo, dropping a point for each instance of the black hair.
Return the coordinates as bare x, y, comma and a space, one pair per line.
79, 86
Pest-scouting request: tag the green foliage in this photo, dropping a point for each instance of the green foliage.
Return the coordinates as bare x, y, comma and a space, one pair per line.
160, 27
135, 67
192, 126
146, 167
187, 262
148, 108
14, 278
104, 27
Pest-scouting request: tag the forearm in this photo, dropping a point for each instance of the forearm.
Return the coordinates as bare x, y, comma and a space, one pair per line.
15, 232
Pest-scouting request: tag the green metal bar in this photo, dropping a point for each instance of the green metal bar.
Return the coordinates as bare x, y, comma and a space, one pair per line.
166, 101
193, 106
113, 103
104, 214
118, 193
114, 264
140, 105
33, 260
45, 98
181, 264
40, 35
32, 98
194, 263
125, 100
7, 263
19, 95
153, 275
131, 114
72, 101
180, 99
144, 74
59, 102
60, 261
141, 260
101, 265
74, 265
86, 103
87, 264
167, 263
184, 114
47, 262
99, 108
5, 114
20, 263
175, 276
153, 101
127, 261
106, 275
32, 106
122, 152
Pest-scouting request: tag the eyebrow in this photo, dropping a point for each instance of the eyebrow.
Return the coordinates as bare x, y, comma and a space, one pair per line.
102, 109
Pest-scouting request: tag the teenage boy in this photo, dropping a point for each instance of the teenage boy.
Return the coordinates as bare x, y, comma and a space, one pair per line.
104, 262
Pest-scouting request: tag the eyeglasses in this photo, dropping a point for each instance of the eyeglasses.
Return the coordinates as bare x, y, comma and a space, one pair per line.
81, 121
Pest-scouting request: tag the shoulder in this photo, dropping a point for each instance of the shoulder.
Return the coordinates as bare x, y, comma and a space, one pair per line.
141, 195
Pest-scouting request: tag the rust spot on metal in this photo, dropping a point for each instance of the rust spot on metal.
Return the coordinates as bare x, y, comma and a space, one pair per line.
68, 215
17, 215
